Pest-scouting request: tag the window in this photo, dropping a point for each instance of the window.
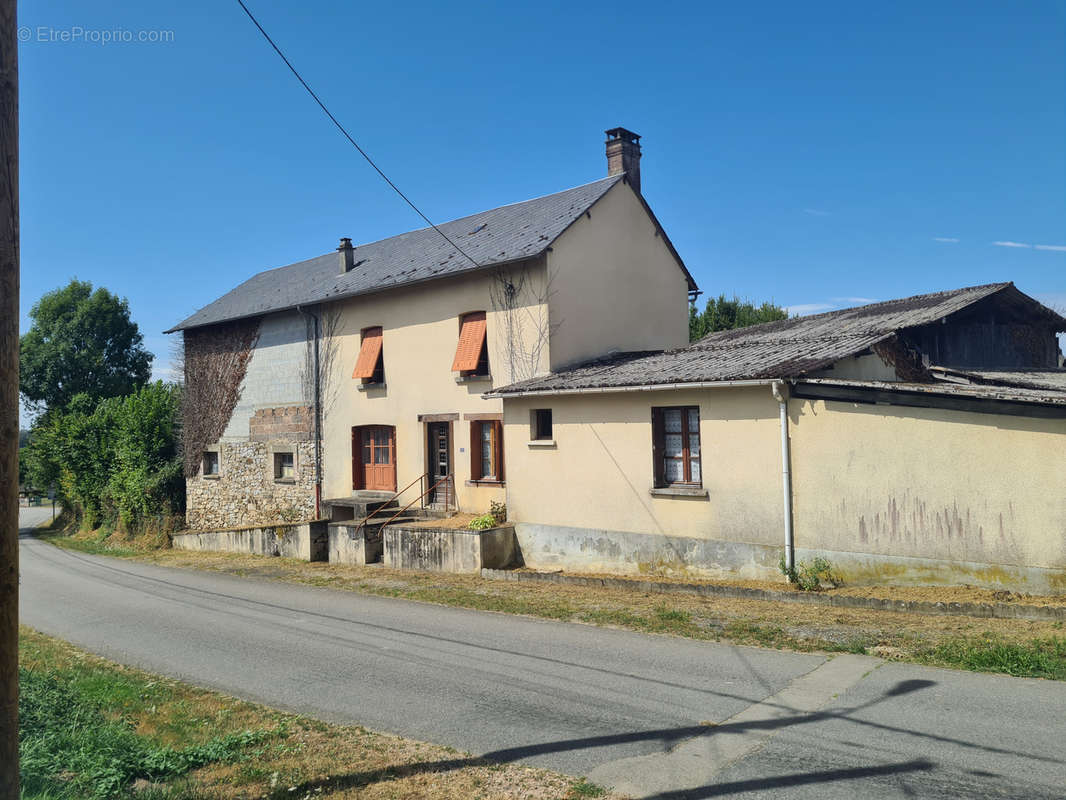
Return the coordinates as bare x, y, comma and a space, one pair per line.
471, 354
676, 446
284, 467
540, 423
370, 366
210, 464
486, 450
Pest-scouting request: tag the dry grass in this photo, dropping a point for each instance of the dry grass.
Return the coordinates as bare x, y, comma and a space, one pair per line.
300, 758
897, 635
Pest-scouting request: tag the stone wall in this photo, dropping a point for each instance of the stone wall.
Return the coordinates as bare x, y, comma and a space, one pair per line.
245, 492
306, 541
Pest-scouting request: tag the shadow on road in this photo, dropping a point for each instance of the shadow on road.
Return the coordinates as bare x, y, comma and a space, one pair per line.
668, 738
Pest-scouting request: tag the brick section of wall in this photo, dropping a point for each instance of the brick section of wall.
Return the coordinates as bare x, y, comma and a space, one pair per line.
245, 492
291, 423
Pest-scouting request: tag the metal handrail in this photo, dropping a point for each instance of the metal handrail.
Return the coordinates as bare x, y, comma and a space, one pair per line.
427, 491
423, 476
369, 516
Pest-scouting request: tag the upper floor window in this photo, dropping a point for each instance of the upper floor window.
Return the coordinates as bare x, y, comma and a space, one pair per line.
676, 446
370, 366
472, 354
540, 423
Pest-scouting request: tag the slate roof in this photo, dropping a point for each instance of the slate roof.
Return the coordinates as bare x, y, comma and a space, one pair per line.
785, 349
501, 235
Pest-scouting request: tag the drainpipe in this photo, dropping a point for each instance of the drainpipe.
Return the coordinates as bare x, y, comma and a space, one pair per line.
778, 388
318, 420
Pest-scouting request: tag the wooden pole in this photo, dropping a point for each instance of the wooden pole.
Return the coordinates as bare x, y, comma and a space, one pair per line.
9, 397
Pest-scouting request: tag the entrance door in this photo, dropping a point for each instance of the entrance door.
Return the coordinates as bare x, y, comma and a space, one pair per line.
439, 448
374, 457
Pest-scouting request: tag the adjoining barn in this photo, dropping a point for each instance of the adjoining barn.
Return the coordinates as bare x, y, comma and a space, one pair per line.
915, 440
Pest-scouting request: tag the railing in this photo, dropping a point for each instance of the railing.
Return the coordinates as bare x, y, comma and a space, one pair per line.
421, 479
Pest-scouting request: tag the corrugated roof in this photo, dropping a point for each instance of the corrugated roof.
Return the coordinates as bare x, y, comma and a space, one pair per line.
1014, 394
784, 349
501, 235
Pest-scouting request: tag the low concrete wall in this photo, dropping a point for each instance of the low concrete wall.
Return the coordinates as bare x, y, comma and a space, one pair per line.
349, 544
627, 553
449, 550
306, 541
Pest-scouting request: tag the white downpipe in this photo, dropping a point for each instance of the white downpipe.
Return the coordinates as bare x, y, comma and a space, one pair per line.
778, 388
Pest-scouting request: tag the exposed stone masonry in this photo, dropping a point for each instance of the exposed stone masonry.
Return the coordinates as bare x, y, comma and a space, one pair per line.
245, 492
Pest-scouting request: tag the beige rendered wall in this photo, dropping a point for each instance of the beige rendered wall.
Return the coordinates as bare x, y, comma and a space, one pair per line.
420, 332
615, 284
930, 495
586, 503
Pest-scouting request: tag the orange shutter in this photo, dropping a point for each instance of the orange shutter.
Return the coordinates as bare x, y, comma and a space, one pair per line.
368, 354
471, 338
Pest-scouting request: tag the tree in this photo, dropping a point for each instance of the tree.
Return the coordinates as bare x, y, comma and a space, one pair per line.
721, 314
81, 342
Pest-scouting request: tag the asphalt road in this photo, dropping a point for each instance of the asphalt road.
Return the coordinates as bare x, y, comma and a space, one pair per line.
652, 716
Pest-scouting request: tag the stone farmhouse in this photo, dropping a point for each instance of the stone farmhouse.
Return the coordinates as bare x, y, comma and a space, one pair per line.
389, 349
537, 355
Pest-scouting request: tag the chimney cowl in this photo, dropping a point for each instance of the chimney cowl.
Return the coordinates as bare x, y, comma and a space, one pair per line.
623, 155
347, 255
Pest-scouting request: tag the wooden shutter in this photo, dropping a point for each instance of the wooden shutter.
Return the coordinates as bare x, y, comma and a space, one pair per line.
369, 353
475, 451
471, 340
497, 443
657, 430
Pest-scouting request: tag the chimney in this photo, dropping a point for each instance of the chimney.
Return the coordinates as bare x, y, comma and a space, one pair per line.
623, 155
347, 259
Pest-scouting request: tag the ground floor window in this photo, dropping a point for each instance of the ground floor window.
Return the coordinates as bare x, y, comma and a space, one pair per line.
486, 450
284, 466
676, 446
210, 464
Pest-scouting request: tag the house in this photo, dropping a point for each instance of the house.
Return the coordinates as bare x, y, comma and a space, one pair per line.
915, 440
367, 370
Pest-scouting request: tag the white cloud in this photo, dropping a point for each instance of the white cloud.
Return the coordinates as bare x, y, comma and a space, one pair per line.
1060, 248
948, 239
855, 300
816, 212
802, 309
1011, 244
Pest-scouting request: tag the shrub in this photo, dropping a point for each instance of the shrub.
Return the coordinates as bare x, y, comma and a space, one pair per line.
498, 511
483, 523
809, 576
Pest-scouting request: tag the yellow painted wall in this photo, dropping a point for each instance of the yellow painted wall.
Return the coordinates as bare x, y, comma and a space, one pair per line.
929, 484
615, 284
420, 332
599, 474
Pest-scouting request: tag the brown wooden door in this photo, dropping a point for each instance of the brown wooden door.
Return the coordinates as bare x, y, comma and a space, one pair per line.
375, 457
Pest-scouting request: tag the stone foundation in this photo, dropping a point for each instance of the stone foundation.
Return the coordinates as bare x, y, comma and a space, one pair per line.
449, 550
350, 544
245, 492
306, 541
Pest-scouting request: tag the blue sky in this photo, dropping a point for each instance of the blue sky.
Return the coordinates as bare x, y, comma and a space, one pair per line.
816, 154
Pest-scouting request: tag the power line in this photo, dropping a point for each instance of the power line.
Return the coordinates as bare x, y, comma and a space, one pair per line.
348, 136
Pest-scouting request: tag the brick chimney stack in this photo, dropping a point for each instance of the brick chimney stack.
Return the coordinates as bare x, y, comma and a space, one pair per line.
623, 155
347, 259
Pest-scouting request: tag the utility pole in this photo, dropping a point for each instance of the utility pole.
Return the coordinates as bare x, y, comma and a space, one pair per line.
9, 398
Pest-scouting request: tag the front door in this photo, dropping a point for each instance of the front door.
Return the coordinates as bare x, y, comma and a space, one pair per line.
374, 457
439, 448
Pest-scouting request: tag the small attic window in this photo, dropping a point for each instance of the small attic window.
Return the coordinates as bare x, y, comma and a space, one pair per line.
479, 228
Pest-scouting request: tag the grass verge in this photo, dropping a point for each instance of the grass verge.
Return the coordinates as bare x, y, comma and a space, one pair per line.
92, 730
1025, 648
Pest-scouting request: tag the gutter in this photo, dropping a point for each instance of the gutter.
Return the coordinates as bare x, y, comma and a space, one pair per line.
318, 418
650, 387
